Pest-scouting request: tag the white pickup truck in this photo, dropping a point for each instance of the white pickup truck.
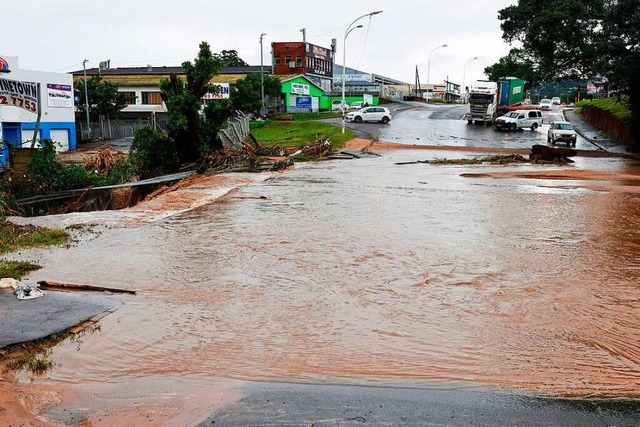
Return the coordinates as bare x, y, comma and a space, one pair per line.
520, 119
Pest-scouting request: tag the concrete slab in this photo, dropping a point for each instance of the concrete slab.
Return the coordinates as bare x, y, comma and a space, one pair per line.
22, 321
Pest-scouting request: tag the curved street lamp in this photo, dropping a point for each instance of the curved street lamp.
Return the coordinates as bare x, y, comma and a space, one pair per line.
344, 60
429, 61
464, 70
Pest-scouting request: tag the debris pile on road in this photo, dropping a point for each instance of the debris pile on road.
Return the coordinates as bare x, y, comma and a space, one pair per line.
255, 158
104, 161
238, 160
321, 147
545, 154
496, 159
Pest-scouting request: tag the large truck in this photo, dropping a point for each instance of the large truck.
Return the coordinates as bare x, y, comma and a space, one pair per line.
488, 99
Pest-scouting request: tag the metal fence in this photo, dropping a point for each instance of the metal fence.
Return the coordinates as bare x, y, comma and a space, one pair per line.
108, 129
236, 132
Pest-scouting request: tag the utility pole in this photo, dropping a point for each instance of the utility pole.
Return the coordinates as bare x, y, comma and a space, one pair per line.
86, 97
261, 77
304, 34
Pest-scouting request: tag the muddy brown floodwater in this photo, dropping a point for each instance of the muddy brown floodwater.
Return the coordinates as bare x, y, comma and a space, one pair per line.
361, 272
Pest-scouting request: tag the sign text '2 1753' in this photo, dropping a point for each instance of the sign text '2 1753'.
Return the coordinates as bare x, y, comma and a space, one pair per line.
19, 102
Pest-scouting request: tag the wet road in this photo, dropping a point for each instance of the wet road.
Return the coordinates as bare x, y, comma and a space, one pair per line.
359, 273
365, 273
436, 124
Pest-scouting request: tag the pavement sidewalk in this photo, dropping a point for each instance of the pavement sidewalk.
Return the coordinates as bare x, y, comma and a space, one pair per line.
22, 321
591, 134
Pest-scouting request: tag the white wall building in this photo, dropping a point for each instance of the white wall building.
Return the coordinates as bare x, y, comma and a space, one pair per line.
18, 105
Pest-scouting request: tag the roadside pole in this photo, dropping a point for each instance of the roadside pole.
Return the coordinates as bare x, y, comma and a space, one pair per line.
37, 128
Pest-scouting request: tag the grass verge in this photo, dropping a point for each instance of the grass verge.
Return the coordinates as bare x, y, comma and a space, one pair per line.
14, 237
16, 269
299, 133
619, 110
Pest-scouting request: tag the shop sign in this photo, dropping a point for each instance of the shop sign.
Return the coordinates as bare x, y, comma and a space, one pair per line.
19, 94
353, 78
303, 102
300, 89
59, 96
317, 51
222, 93
4, 66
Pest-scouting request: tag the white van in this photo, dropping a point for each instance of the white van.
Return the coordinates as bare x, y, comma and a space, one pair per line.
337, 105
520, 119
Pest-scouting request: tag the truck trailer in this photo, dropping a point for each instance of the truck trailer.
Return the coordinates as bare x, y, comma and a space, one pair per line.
488, 99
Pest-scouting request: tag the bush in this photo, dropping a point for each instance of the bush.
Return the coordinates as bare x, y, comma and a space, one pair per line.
153, 153
45, 175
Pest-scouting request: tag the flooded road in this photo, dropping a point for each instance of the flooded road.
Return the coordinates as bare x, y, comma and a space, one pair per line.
363, 272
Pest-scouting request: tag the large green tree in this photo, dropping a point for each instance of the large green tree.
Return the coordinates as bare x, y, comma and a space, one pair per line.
104, 98
578, 39
231, 58
186, 119
247, 95
516, 64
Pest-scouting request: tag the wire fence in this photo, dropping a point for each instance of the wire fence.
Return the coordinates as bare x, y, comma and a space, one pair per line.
232, 136
107, 129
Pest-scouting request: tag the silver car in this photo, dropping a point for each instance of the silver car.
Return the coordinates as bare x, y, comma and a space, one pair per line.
545, 104
562, 132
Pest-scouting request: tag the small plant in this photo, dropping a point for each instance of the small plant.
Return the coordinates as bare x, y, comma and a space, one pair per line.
36, 362
16, 269
13, 237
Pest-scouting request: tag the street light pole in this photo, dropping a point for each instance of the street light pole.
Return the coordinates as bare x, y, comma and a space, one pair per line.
464, 70
344, 60
429, 63
261, 77
86, 97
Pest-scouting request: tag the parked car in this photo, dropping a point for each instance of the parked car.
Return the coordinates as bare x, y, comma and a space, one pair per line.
338, 105
562, 132
545, 104
356, 105
555, 100
520, 119
370, 114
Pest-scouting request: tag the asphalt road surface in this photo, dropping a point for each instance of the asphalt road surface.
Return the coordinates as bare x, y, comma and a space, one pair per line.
314, 405
438, 124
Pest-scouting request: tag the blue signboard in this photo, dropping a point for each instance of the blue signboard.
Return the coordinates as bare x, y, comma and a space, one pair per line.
303, 102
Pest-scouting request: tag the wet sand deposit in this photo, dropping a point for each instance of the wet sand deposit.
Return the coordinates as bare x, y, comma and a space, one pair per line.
357, 272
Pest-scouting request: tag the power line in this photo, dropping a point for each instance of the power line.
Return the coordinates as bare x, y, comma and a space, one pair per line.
364, 45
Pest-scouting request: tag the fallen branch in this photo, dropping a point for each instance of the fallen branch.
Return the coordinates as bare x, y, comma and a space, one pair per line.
56, 285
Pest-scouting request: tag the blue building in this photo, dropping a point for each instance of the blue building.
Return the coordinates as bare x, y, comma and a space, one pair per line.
18, 106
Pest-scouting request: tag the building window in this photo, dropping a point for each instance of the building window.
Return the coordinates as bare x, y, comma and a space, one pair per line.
129, 97
151, 98
287, 60
277, 61
298, 61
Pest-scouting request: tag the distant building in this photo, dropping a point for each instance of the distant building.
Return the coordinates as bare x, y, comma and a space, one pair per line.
142, 85
18, 100
359, 83
295, 58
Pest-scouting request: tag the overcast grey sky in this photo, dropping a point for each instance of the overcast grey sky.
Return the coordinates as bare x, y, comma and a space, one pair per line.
56, 35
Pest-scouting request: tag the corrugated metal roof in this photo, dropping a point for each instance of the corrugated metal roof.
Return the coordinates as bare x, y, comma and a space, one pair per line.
154, 80
164, 71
